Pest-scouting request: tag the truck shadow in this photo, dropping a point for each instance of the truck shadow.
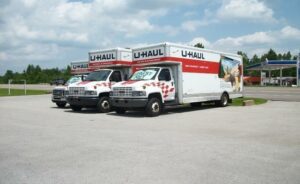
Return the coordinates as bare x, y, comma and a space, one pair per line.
83, 111
66, 107
168, 111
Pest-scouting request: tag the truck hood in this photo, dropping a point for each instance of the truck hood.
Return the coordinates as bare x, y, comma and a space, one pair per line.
88, 85
137, 85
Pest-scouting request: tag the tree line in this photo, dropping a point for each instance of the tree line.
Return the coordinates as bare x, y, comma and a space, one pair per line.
35, 75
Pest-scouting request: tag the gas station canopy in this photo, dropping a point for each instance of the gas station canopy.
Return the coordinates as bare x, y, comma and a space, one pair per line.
271, 65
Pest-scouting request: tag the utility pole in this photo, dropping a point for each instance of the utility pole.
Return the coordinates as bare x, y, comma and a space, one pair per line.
9, 83
298, 70
25, 87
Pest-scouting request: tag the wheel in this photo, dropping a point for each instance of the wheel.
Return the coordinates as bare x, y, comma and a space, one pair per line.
76, 108
61, 104
223, 101
154, 107
120, 110
104, 105
196, 104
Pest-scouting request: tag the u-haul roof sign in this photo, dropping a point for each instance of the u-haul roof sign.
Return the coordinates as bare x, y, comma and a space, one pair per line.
103, 58
192, 54
148, 53
171, 52
79, 67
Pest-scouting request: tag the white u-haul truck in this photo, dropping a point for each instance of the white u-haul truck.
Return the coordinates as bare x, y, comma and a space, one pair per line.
79, 71
172, 74
110, 66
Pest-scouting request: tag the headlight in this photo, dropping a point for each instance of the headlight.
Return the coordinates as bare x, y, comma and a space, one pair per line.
90, 92
138, 93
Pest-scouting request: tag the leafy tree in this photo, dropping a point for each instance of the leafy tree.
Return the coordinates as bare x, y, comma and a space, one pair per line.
199, 45
245, 61
255, 59
287, 56
271, 55
8, 75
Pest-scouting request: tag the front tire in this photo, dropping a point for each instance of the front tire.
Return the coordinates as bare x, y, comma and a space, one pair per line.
154, 107
76, 108
103, 105
61, 104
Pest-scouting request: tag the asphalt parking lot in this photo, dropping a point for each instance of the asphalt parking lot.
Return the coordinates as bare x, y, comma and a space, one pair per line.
274, 93
40, 143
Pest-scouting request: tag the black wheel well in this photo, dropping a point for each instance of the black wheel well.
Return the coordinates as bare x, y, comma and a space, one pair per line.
156, 95
226, 93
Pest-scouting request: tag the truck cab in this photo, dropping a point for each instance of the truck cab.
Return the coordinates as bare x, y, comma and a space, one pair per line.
148, 88
94, 90
58, 93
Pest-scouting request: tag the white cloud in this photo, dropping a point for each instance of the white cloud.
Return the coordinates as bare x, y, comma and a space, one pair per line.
190, 14
202, 40
255, 38
29, 3
255, 43
245, 9
3, 56
192, 25
291, 32
44, 30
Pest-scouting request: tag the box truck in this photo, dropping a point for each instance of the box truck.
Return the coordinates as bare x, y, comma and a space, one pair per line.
110, 66
170, 74
79, 70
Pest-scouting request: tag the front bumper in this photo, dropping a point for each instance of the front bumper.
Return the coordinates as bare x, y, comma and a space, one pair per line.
83, 101
56, 99
129, 102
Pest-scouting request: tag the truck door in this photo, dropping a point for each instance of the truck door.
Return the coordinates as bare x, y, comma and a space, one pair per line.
166, 83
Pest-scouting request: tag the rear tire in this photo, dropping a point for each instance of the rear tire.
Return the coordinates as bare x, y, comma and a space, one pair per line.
76, 108
61, 104
103, 105
223, 102
154, 107
120, 110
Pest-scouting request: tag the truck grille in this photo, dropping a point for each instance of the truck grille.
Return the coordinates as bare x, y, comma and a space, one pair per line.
76, 91
58, 92
122, 91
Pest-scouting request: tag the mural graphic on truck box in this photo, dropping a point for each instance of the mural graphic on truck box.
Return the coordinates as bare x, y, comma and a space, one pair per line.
230, 71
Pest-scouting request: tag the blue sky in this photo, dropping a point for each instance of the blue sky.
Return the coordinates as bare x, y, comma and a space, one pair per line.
57, 32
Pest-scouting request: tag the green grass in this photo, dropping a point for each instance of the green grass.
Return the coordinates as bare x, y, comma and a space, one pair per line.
239, 101
19, 92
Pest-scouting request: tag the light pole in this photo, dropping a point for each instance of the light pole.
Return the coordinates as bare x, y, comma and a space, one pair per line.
25, 88
298, 70
9, 82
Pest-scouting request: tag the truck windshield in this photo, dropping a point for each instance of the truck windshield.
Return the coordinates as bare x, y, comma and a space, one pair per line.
145, 74
73, 80
98, 75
